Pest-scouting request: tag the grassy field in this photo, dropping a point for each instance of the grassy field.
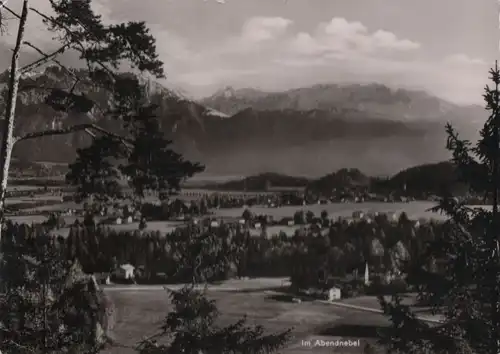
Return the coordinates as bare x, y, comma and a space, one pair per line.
140, 313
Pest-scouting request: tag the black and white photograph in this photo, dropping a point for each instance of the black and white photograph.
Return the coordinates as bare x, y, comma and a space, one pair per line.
249, 177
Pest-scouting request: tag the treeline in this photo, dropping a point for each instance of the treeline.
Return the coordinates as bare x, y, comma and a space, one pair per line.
419, 181
262, 181
313, 254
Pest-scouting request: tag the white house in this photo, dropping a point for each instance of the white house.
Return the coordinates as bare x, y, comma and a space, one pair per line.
125, 271
214, 224
118, 221
333, 294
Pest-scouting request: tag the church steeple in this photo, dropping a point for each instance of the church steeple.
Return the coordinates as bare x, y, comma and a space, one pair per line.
367, 274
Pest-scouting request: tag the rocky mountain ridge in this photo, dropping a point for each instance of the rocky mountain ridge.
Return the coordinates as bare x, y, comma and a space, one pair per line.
373, 128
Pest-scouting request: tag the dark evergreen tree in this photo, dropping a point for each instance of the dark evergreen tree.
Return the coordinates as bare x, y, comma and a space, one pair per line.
47, 304
190, 327
464, 288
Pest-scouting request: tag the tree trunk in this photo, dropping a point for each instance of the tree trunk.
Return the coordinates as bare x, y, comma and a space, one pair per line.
8, 126
495, 311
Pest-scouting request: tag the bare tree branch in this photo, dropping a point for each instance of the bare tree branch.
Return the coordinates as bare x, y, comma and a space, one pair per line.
29, 44
12, 12
88, 128
75, 40
46, 58
68, 31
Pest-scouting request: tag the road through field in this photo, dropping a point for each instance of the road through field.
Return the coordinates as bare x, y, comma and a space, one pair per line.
230, 285
269, 286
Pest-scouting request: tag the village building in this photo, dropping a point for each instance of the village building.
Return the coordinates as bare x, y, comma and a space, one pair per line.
124, 272
333, 294
358, 214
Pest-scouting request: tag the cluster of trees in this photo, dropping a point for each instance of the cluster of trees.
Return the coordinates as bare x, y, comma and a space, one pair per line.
467, 290
261, 181
419, 182
47, 304
338, 250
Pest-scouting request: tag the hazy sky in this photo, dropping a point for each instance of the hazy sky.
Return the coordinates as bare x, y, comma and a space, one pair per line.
443, 46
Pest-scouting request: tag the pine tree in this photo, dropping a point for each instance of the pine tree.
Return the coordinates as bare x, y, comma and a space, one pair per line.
48, 305
191, 326
465, 289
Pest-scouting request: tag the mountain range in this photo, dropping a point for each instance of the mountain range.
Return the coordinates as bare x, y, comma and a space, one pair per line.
308, 131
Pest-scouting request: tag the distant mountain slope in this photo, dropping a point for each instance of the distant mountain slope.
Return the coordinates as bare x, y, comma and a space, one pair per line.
428, 178
326, 127
374, 99
333, 133
421, 180
179, 116
343, 178
262, 182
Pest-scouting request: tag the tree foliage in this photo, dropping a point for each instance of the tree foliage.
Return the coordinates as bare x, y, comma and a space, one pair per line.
465, 288
192, 328
142, 156
48, 305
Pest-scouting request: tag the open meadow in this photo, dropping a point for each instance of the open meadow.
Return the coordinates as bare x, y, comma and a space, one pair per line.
140, 313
